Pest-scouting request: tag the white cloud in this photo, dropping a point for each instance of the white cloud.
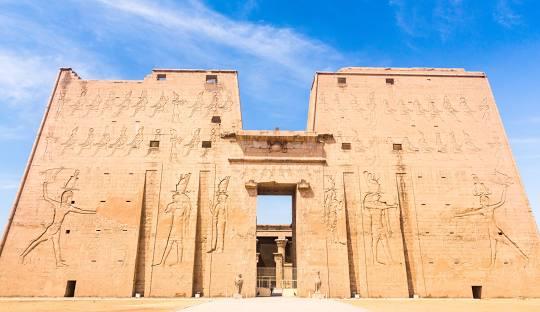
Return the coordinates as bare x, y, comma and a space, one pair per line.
197, 23
505, 15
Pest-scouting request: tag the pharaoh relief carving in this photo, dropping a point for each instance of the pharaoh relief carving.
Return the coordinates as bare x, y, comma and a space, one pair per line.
219, 211
197, 104
378, 216
333, 211
486, 208
179, 210
58, 187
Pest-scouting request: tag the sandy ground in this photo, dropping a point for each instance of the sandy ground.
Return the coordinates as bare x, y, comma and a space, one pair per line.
96, 304
447, 305
267, 304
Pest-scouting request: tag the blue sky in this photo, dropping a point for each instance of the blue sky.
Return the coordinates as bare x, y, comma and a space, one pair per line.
275, 45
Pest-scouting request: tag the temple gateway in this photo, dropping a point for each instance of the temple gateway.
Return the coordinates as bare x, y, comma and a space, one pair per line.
403, 184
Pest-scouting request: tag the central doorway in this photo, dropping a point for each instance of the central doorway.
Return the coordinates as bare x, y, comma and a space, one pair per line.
276, 241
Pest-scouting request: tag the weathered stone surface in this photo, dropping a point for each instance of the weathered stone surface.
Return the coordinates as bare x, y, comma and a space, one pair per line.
403, 184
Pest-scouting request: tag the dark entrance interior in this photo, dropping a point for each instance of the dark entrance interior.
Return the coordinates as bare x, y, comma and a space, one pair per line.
477, 292
70, 289
276, 257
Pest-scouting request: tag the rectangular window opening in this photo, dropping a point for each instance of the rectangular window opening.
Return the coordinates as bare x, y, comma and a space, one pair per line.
70, 289
397, 147
346, 146
154, 144
68, 231
477, 292
216, 119
206, 144
211, 79
342, 81
161, 77
390, 81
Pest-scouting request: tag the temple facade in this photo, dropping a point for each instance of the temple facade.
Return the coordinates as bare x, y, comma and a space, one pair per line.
403, 185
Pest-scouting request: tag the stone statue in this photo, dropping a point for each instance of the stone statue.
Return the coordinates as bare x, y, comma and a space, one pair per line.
238, 282
318, 283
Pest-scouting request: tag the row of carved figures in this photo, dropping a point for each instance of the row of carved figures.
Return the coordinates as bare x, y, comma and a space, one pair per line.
377, 216
172, 104
439, 142
59, 187
60, 184
123, 144
445, 109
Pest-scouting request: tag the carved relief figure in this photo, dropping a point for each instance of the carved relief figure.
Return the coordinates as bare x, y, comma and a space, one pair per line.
176, 102
159, 106
93, 106
449, 108
441, 147
103, 142
120, 142
50, 140
60, 198
108, 103
468, 142
219, 212
70, 141
141, 103
487, 209
484, 109
196, 106
194, 142
135, 144
175, 140
125, 104
179, 209
88, 142
379, 219
60, 103
332, 210
455, 144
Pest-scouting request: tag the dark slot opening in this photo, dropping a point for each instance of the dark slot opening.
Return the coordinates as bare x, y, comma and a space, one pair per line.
390, 81
154, 144
68, 231
397, 147
342, 81
345, 146
477, 292
70, 289
161, 77
206, 144
211, 79
216, 119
